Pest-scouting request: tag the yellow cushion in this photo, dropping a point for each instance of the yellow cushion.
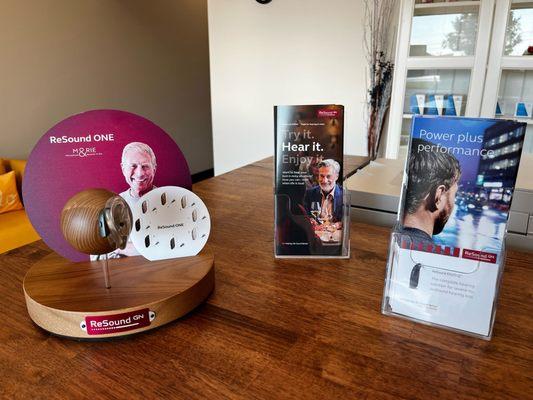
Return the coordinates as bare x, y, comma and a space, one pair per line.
18, 166
2, 167
16, 230
9, 197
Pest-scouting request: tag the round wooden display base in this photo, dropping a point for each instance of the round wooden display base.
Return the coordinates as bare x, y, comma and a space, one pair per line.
70, 299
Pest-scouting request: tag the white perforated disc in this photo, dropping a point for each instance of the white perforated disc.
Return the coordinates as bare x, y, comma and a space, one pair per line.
170, 222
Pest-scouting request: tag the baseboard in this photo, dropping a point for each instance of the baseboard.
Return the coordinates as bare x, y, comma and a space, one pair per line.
200, 176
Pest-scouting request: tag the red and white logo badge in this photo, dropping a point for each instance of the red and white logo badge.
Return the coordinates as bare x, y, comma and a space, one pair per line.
325, 113
479, 255
106, 324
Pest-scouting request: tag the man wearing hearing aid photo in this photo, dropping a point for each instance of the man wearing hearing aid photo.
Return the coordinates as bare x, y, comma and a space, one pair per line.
433, 184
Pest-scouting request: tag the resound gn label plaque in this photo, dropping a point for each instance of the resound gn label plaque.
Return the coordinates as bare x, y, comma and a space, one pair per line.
170, 222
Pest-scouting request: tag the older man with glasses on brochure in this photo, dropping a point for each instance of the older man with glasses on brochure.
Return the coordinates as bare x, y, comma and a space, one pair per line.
327, 194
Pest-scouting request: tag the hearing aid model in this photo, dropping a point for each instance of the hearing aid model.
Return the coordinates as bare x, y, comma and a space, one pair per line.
96, 221
170, 222
115, 221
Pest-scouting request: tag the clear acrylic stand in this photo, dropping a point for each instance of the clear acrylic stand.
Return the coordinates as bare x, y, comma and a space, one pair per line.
438, 286
295, 235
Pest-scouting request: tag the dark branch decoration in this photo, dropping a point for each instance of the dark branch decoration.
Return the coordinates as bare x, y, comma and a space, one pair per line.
378, 25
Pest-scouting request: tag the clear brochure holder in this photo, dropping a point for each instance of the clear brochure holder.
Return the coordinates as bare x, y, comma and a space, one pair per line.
455, 288
438, 286
307, 240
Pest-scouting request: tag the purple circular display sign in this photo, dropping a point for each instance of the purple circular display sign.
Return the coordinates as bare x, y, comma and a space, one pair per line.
85, 151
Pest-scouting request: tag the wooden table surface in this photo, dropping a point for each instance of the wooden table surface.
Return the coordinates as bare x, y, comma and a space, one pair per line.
274, 328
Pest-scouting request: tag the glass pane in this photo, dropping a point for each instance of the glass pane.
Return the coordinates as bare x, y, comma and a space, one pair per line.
519, 32
436, 92
528, 141
515, 100
525, 180
435, 1
444, 30
406, 131
515, 96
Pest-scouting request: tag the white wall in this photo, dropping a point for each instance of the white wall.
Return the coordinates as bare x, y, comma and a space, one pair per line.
285, 52
62, 57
